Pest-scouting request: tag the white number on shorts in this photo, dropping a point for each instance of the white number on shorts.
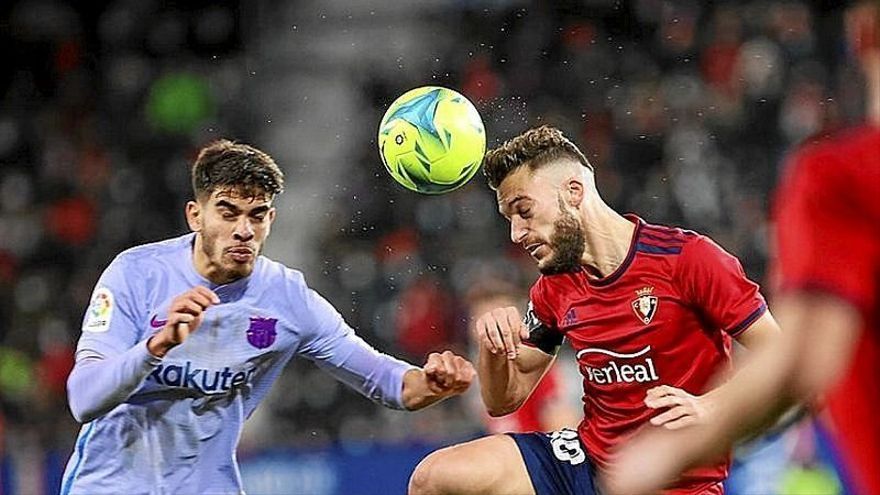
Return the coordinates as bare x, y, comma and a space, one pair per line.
567, 446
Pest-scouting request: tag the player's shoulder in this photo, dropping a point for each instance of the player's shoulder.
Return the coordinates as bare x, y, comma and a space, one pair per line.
548, 285
664, 240
832, 140
671, 250
840, 168
677, 247
277, 275
828, 151
155, 253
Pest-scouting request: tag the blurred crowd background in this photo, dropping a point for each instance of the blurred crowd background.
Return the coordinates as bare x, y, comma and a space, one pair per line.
685, 108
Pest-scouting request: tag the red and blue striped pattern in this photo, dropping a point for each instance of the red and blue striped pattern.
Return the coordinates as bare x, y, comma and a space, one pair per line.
661, 240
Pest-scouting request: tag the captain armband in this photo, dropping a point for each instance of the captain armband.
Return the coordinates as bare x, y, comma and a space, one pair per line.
541, 336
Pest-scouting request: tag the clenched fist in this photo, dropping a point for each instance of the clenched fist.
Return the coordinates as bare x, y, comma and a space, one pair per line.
444, 375
448, 373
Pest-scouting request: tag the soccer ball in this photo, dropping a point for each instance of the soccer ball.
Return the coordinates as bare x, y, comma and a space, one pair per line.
432, 140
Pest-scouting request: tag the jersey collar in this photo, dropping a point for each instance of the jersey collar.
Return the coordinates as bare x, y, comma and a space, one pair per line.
630, 255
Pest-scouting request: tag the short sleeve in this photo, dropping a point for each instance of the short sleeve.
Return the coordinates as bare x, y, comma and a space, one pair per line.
110, 323
827, 240
714, 282
543, 331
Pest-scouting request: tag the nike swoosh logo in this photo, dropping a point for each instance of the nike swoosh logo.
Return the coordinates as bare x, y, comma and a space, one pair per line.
157, 323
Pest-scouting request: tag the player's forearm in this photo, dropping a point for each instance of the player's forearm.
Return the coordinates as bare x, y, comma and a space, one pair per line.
746, 404
376, 375
97, 385
500, 383
818, 335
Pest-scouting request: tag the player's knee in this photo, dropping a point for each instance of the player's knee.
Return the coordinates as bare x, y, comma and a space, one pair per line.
424, 479
434, 475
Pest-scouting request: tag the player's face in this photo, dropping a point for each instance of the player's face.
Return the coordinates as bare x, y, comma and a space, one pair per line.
541, 222
233, 227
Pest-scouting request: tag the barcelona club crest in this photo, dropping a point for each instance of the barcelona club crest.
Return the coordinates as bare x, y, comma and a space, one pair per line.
261, 333
645, 305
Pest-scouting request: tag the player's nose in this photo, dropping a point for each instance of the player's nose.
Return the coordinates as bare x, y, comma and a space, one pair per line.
244, 231
517, 230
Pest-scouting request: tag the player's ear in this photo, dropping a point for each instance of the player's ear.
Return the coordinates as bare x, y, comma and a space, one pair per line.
194, 215
574, 192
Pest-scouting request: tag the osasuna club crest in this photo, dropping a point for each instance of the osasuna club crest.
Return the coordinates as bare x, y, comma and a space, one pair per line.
645, 306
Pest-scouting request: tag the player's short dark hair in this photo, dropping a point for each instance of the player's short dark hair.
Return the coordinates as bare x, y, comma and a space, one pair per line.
223, 164
533, 148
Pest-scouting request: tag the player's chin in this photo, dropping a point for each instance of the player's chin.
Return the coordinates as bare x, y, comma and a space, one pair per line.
240, 268
545, 263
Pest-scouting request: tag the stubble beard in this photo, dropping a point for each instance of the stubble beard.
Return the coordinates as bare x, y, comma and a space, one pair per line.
229, 271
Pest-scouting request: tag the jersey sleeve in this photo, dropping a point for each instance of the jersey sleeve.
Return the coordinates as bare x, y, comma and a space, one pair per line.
714, 282
543, 331
110, 322
827, 240
333, 345
111, 359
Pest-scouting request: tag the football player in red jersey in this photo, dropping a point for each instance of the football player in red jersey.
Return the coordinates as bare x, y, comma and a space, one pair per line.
649, 310
828, 230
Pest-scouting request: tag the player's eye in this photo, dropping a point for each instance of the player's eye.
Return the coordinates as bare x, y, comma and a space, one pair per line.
525, 213
259, 216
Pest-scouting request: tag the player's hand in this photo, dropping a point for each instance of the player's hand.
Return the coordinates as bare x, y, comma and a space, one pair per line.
448, 374
500, 331
184, 317
682, 408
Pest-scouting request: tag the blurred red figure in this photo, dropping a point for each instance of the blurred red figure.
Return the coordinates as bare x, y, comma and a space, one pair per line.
424, 323
829, 246
827, 213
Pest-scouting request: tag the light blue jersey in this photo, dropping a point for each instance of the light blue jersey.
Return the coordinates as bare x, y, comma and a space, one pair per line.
171, 425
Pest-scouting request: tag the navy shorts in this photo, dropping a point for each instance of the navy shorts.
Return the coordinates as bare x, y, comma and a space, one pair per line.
557, 463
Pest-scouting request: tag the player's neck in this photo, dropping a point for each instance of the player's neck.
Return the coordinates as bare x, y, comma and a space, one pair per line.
607, 240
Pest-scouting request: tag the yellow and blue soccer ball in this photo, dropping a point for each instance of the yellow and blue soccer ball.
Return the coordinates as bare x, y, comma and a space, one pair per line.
432, 140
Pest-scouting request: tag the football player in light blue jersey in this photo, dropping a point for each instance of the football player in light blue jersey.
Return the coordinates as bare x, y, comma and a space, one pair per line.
184, 337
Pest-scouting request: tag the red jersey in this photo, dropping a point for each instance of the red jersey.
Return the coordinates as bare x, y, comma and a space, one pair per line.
828, 229
664, 317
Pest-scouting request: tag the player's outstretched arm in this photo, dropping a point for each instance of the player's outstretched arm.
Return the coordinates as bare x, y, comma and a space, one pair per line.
101, 381
679, 409
509, 370
819, 335
444, 375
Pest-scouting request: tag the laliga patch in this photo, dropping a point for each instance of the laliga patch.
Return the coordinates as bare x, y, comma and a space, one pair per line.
100, 311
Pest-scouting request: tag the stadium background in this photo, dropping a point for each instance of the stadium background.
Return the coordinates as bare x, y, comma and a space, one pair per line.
686, 109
